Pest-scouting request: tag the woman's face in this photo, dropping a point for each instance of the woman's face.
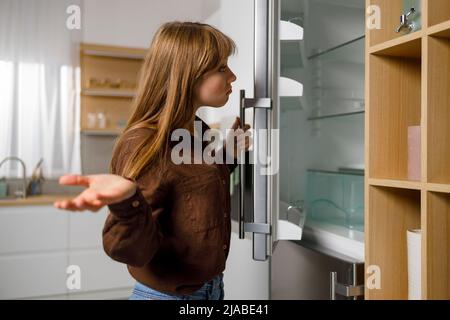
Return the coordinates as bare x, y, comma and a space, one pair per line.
215, 87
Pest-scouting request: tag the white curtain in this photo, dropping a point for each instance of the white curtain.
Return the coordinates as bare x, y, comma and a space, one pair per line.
39, 86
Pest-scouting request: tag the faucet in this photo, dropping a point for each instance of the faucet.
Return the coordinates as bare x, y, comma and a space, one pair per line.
22, 193
405, 23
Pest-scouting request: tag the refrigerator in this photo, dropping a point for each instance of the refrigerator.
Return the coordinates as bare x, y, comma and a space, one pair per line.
298, 196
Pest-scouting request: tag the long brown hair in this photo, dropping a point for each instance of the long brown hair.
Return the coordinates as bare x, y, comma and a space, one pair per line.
179, 55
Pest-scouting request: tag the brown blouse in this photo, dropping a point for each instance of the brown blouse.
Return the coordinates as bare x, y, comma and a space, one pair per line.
174, 233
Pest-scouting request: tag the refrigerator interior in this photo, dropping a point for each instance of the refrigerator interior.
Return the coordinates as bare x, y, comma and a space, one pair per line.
322, 141
330, 65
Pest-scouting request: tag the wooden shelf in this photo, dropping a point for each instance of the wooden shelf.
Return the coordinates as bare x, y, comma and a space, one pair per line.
438, 110
441, 30
406, 46
112, 51
401, 184
437, 250
99, 132
393, 212
437, 187
108, 93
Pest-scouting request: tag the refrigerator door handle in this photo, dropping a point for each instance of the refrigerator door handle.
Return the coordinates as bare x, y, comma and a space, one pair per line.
254, 227
241, 164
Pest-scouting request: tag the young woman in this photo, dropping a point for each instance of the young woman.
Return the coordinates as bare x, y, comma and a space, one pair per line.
170, 223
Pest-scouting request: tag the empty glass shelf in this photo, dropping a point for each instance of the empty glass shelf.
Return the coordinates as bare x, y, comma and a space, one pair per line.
336, 115
351, 51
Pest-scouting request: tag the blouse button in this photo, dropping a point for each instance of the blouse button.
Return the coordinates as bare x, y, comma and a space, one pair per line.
223, 182
135, 203
224, 247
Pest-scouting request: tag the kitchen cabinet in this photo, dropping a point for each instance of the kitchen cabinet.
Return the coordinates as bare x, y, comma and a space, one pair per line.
109, 76
39, 242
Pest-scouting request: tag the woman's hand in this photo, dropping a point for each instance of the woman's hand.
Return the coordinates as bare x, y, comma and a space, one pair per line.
102, 189
242, 138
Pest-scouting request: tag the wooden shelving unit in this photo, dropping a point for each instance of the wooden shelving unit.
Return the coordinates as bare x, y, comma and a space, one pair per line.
109, 76
408, 84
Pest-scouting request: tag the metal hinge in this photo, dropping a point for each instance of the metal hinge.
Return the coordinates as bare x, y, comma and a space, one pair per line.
262, 228
343, 290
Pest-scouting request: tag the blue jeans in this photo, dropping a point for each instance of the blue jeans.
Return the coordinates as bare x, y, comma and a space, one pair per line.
211, 290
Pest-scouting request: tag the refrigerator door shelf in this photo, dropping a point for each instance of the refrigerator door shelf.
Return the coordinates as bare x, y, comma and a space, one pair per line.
336, 241
289, 88
290, 31
288, 231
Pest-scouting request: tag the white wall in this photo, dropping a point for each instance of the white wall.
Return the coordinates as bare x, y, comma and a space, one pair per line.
134, 22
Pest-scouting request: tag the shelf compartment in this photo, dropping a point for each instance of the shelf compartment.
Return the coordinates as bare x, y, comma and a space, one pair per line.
406, 46
413, 185
116, 109
337, 102
437, 253
438, 110
103, 69
395, 104
392, 212
438, 11
391, 10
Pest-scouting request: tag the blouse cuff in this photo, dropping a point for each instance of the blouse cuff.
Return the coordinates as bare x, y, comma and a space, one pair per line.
131, 206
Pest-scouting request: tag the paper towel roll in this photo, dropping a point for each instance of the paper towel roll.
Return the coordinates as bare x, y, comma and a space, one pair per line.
414, 238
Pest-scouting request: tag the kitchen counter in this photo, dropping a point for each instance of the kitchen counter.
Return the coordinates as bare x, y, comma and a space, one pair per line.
45, 199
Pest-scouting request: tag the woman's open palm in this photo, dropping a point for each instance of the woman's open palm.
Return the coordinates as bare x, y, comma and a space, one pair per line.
101, 190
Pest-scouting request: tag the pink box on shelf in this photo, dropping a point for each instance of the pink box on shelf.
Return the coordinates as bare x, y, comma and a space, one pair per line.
414, 151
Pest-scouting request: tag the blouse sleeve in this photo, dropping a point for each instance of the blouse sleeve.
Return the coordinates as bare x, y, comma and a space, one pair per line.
131, 233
